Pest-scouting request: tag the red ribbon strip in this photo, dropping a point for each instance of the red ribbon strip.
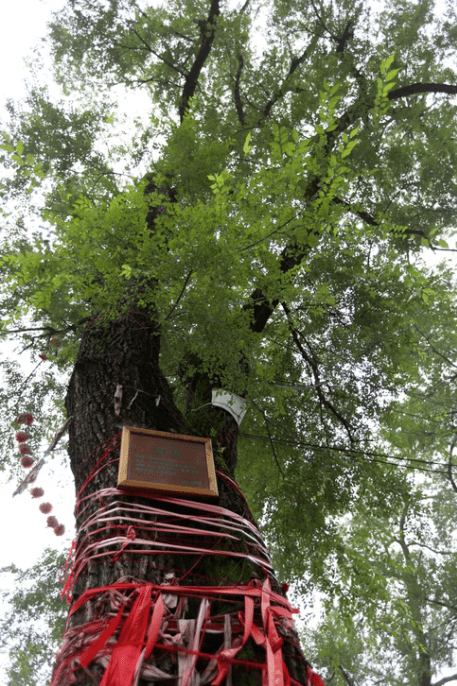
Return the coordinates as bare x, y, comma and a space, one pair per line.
139, 628
128, 650
252, 590
89, 654
313, 678
124, 658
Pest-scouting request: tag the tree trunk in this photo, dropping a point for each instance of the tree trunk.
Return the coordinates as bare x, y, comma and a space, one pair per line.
124, 547
421, 660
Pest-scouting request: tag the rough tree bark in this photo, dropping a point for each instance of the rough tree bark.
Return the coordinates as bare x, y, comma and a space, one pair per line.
124, 352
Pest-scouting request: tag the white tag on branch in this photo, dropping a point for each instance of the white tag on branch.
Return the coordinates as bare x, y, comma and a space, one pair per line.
229, 402
118, 400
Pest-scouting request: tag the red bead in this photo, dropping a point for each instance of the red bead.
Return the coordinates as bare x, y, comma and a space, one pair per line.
21, 436
25, 419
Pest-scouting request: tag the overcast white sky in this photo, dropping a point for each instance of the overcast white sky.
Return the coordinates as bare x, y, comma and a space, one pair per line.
24, 532
23, 23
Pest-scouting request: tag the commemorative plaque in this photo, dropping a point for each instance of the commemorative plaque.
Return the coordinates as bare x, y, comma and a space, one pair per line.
161, 461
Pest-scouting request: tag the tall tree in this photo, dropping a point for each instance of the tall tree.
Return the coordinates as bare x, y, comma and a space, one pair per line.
34, 619
404, 631
260, 233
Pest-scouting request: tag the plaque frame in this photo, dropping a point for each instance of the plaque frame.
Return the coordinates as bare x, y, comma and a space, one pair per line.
127, 482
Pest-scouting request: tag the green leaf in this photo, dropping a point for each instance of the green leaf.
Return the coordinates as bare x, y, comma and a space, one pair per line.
126, 271
391, 74
385, 64
246, 147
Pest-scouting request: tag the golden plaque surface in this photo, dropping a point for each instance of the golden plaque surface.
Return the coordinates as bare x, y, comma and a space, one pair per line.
161, 461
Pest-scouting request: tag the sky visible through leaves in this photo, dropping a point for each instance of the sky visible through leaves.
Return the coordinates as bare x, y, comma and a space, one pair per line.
24, 531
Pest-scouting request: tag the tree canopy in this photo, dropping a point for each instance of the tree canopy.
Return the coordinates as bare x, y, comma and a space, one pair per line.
267, 179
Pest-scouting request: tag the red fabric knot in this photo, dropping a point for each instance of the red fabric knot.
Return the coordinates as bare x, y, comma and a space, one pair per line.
131, 535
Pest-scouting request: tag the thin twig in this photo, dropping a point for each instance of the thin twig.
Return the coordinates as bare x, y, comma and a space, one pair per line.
312, 362
259, 409
176, 303
450, 465
264, 238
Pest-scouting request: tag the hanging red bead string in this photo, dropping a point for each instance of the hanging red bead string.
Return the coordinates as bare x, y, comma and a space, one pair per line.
27, 460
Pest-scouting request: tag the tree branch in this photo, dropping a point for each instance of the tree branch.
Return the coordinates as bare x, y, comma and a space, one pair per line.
294, 64
236, 91
156, 54
47, 330
437, 552
361, 214
292, 255
245, 6
418, 88
346, 676
176, 303
445, 680
208, 31
371, 221
321, 21
270, 438
348, 33
441, 604
312, 362
437, 352
450, 465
